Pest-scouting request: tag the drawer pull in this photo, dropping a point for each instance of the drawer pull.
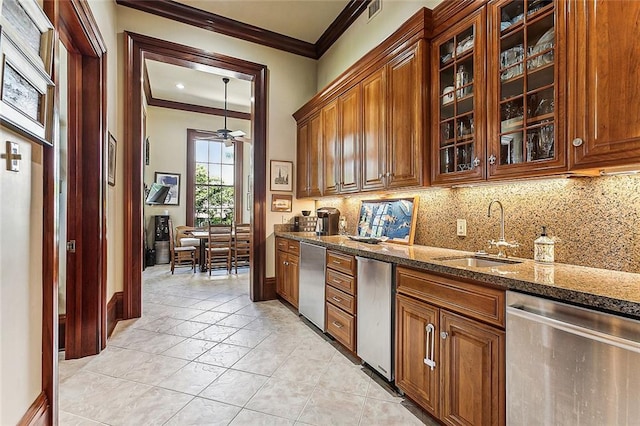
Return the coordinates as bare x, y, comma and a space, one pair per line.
337, 324
337, 299
337, 281
292, 247
337, 262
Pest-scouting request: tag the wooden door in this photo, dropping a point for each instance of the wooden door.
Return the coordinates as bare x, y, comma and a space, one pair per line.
314, 156
373, 152
413, 376
472, 361
281, 273
458, 58
349, 160
526, 89
330, 148
603, 83
293, 279
405, 115
302, 160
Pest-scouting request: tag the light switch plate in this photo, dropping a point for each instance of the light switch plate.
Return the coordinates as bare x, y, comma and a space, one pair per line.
461, 228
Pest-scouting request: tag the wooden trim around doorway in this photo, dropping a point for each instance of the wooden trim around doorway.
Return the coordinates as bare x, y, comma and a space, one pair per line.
38, 414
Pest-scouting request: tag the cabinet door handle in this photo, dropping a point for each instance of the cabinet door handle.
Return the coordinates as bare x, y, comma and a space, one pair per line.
430, 344
476, 162
444, 335
285, 263
337, 299
492, 159
336, 324
577, 142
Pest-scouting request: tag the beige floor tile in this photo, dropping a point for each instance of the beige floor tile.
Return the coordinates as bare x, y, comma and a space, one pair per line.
178, 301
189, 349
247, 338
281, 398
68, 419
260, 362
328, 407
182, 313
385, 413
154, 407
236, 320
315, 349
201, 411
162, 324
67, 368
379, 389
192, 378
116, 362
215, 333
210, 317
155, 369
223, 355
279, 342
187, 328
234, 387
254, 418
207, 305
344, 377
303, 370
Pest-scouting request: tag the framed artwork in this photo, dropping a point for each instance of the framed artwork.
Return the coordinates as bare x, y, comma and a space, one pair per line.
281, 203
26, 94
111, 160
394, 218
281, 175
172, 180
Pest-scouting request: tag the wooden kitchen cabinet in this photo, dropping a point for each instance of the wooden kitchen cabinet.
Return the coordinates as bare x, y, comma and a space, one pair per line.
309, 157
287, 269
330, 144
603, 92
526, 88
450, 347
374, 139
458, 111
341, 298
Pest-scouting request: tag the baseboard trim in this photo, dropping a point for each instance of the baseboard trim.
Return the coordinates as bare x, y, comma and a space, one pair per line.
115, 309
270, 288
62, 326
39, 413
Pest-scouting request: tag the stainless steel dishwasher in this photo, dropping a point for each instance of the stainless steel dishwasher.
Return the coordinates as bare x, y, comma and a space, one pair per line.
311, 283
568, 365
375, 319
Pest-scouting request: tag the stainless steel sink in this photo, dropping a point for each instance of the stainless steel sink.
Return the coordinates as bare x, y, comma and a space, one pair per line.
476, 261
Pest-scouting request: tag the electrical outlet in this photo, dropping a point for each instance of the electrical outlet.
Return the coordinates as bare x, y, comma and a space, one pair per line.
461, 228
286, 218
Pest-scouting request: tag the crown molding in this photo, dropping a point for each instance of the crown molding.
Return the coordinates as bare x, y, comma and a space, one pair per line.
219, 24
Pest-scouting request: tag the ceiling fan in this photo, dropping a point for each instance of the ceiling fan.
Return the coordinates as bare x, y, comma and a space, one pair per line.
225, 135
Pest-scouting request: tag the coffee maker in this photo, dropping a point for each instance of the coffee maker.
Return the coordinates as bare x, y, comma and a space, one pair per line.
328, 218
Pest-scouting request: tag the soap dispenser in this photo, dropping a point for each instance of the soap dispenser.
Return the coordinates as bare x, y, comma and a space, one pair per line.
543, 248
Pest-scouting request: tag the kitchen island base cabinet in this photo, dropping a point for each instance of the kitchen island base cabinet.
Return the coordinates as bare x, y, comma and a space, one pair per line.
446, 361
287, 269
341, 298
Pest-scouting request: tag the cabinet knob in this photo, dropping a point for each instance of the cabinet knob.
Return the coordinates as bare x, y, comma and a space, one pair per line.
492, 159
476, 162
577, 142
444, 334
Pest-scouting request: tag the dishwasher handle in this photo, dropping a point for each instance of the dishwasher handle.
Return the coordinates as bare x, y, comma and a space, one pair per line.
549, 320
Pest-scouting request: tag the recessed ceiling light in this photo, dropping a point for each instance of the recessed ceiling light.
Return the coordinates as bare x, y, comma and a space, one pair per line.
180, 86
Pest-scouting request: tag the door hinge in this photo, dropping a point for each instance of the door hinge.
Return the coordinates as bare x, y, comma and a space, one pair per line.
71, 246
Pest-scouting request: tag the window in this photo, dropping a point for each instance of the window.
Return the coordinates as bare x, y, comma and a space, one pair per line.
212, 184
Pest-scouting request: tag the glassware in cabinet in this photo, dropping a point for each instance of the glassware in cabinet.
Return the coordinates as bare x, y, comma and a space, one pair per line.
458, 72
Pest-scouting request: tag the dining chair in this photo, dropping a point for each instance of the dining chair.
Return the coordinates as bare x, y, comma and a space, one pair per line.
241, 247
184, 239
218, 249
180, 256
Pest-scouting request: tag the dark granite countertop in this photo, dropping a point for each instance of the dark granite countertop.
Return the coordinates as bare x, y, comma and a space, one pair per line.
602, 289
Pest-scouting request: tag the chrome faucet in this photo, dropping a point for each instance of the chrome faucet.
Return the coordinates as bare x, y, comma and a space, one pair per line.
501, 244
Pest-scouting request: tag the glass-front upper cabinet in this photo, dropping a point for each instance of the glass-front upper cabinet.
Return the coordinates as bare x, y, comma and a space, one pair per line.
526, 95
458, 126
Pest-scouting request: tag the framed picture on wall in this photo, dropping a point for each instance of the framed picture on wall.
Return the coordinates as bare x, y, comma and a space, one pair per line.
111, 160
172, 180
281, 203
281, 175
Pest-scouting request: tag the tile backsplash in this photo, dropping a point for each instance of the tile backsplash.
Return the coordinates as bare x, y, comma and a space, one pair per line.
595, 221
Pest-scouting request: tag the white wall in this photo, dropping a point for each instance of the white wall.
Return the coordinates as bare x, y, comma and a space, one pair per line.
363, 35
291, 82
20, 281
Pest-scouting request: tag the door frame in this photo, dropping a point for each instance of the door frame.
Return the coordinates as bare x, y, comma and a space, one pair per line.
137, 48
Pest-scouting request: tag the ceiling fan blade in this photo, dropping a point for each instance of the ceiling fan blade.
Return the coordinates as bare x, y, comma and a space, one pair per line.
241, 139
237, 133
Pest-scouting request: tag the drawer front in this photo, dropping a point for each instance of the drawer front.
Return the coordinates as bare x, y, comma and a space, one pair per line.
470, 299
341, 299
340, 281
341, 262
293, 247
341, 326
282, 244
